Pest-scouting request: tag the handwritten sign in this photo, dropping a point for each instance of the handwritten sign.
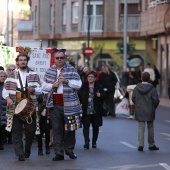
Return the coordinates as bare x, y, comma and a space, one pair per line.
39, 62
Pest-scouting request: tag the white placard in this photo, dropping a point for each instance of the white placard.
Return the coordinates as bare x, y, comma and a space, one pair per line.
39, 62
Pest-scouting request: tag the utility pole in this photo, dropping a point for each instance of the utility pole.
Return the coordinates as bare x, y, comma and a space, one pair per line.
125, 36
7, 24
12, 27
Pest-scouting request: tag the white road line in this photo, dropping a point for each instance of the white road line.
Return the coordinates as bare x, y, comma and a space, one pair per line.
166, 166
166, 134
167, 138
167, 121
127, 144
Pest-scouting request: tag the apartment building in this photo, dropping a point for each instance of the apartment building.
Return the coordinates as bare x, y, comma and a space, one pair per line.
155, 23
65, 24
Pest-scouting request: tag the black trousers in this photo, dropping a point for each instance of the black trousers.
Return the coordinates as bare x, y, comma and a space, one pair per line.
2, 134
44, 128
61, 140
87, 120
109, 102
17, 129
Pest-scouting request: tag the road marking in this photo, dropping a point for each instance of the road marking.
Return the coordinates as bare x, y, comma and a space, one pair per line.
166, 166
127, 144
166, 134
167, 138
167, 121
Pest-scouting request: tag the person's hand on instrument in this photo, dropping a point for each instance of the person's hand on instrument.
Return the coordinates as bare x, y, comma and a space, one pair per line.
31, 89
9, 101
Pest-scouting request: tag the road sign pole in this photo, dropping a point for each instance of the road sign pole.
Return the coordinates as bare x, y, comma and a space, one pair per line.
88, 32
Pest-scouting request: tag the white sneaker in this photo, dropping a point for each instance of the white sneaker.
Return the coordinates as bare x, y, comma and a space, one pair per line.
131, 117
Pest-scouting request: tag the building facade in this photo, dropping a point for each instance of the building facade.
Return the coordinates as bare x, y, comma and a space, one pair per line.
155, 23
76, 24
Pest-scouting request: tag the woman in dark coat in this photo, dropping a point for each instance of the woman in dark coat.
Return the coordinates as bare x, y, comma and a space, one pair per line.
3, 105
90, 96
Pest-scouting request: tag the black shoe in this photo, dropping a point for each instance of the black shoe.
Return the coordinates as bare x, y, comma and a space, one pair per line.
86, 145
51, 145
10, 142
94, 145
153, 148
47, 151
40, 152
21, 158
58, 158
140, 148
72, 155
27, 153
1, 147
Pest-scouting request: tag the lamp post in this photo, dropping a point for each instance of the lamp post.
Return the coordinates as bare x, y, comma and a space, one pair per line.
125, 36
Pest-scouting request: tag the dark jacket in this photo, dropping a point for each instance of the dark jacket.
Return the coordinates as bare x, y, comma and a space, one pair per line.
146, 101
108, 81
83, 94
169, 91
3, 105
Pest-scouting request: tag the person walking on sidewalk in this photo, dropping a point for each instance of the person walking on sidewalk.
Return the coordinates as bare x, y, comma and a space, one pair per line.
146, 101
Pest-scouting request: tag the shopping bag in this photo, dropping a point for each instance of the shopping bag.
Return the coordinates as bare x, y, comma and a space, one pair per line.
123, 107
118, 96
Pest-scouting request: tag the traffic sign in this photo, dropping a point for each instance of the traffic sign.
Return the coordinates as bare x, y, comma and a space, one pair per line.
88, 51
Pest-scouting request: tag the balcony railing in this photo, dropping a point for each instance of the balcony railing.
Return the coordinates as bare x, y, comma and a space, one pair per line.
25, 26
154, 3
133, 23
96, 23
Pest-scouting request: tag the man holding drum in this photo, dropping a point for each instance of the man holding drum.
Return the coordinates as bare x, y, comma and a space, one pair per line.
62, 82
21, 84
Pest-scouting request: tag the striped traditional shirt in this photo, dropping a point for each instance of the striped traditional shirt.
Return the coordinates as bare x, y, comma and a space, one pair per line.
71, 101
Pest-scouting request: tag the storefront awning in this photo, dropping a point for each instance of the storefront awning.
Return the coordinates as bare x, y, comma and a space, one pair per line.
130, 1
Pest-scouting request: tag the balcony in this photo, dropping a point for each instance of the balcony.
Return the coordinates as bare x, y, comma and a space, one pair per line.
133, 23
154, 3
96, 24
25, 26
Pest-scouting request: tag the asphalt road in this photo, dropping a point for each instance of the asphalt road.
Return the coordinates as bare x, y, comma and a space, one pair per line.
116, 149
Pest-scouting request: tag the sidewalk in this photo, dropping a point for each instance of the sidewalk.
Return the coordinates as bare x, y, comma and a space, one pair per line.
164, 101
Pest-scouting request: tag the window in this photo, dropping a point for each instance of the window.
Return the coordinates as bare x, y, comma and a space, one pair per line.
96, 8
75, 12
64, 14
